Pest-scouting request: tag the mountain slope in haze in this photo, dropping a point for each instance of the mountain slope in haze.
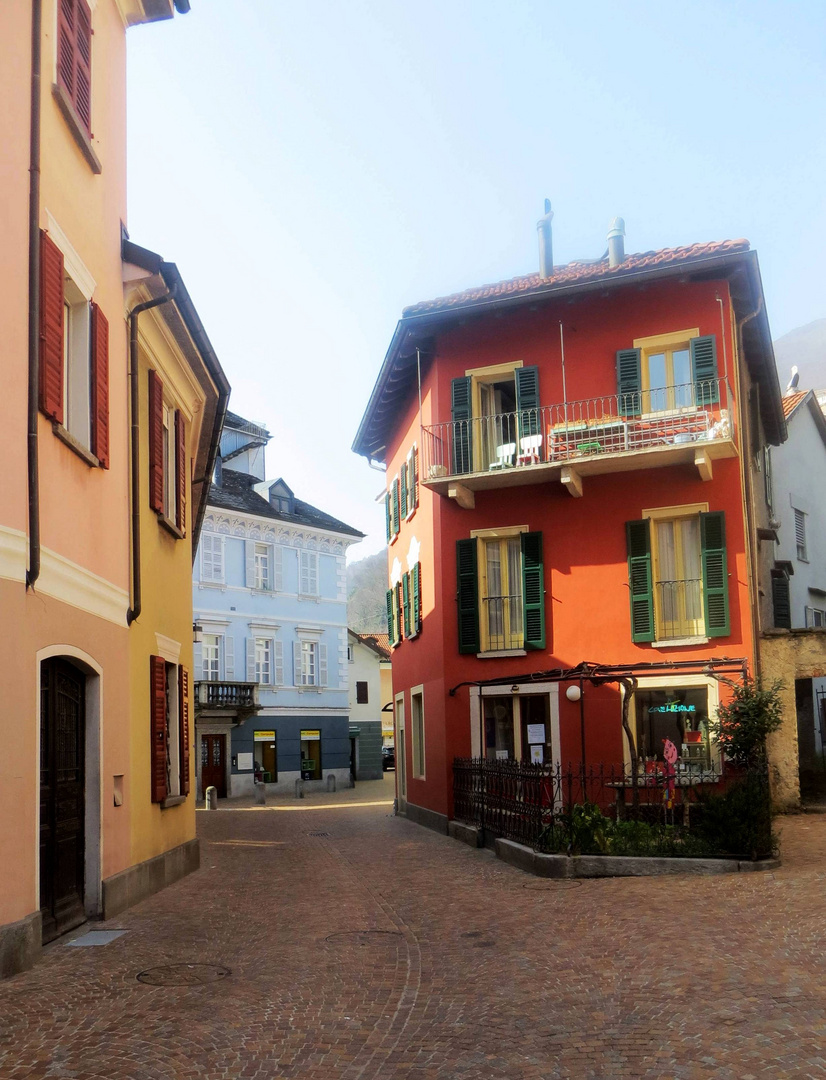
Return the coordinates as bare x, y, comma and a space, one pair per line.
366, 594
805, 347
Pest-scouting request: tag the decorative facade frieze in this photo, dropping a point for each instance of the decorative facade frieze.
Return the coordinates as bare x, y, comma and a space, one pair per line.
273, 532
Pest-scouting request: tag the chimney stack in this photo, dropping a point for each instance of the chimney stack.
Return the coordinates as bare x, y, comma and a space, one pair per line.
546, 244
616, 242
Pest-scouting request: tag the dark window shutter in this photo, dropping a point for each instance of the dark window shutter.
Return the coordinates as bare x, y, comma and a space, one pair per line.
66, 35
638, 541
397, 593
413, 478
704, 369
403, 489
395, 506
180, 470
83, 64
361, 693
388, 517
406, 603
183, 726
416, 575
533, 590
157, 667
527, 400
781, 600
715, 574
391, 630
155, 443
461, 416
629, 382
467, 591
51, 329
100, 386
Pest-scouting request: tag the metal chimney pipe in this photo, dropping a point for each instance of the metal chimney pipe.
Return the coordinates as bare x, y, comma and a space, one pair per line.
546, 244
616, 242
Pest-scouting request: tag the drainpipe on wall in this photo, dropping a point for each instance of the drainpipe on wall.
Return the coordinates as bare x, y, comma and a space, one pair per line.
747, 488
33, 570
134, 385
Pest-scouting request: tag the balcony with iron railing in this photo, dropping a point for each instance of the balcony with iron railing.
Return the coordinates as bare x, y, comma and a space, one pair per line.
678, 607
501, 620
692, 423
226, 697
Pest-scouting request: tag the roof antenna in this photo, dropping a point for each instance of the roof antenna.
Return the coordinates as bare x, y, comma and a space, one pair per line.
546, 246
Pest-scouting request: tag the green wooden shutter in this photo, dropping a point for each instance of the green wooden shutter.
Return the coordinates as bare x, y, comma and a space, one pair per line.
461, 415
638, 541
413, 478
629, 382
781, 600
715, 574
406, 601
467, 592
533, 590
527, 400
403, 489
388, 517
704, 369
395, 506
416, 574
390, 607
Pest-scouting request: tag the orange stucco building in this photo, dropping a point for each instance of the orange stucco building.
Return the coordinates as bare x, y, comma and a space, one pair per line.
82, 832
573, 479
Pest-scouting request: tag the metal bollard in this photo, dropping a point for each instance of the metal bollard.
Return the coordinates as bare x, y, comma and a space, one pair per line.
260, 794
211, 798
299, 789
331, 782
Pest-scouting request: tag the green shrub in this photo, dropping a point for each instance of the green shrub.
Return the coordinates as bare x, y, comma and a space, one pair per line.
744, 722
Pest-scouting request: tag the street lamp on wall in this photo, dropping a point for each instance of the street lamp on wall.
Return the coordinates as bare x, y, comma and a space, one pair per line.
197, 633
573, 693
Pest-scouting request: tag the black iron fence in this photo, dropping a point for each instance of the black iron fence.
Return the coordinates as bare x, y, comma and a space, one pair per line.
691, 808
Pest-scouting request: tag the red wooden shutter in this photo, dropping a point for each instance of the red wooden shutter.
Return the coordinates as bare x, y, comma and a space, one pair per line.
100, 386
183, 726
157, 668
51, 329
155, 443
83, 64
180, 470
66, 31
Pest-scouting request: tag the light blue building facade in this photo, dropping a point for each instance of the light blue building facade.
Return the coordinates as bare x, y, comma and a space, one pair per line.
270, 602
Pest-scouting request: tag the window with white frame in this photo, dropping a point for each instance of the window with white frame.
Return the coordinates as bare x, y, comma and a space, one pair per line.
263, 567
308, 585
815, 617
310, 663
800, 535
417, 732
263, 661
212, 648
170, 472
212, 558
77, 388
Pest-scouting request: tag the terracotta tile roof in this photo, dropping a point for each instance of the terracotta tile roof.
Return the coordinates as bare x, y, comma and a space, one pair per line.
379, 642
791, 401
576, 272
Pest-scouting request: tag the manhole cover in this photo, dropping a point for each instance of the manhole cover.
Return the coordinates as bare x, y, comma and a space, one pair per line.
365, 937
183, 974
318, 834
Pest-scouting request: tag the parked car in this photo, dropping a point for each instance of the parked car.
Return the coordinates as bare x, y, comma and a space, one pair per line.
388, 758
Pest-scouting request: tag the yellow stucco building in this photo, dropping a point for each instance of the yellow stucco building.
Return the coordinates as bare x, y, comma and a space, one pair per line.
102, 502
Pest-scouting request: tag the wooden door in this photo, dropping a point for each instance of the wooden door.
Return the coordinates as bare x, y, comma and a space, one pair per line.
62, 802
213, 764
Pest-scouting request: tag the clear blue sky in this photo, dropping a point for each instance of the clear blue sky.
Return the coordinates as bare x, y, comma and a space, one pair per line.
314, 167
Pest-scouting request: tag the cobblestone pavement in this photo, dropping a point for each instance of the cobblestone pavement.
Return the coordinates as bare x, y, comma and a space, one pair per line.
363, 947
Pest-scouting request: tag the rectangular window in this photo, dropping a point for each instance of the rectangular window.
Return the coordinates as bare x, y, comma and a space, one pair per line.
815, 617
170, 749
678, 578
501, 597
211, 650
309, 663
263, 579
212, 558
74, 58
170, 472
417, 733
800, 535
311, 755
263, 661
309, 573
412, 481
680, 714
361, 693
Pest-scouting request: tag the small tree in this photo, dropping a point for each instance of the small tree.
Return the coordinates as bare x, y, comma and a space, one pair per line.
744, 723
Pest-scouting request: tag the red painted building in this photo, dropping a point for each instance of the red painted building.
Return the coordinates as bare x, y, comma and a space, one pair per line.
571, 462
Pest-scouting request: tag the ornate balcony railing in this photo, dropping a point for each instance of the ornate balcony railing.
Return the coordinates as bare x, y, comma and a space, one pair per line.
226, 695
648, 420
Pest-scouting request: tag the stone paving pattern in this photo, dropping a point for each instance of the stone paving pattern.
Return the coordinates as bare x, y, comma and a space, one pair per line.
478, 970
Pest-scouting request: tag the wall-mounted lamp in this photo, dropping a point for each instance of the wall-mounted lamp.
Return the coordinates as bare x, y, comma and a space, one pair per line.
573, 693
197, 633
